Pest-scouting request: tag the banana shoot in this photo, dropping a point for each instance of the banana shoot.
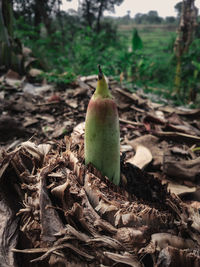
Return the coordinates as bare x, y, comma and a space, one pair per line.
102, 135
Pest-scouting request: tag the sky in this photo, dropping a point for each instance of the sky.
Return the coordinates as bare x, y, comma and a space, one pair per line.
163, 7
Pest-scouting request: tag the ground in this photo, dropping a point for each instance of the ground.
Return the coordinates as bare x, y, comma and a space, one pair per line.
58, 212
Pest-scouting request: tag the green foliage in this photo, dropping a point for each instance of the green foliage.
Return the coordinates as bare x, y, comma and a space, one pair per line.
144, 55
136, 41
79, 51
60, 79
153, 64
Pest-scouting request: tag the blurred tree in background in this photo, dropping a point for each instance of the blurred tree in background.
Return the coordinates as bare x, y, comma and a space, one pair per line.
10, 49
36, 12
76, 38
185, 37
150, 17
92, 11
178, 8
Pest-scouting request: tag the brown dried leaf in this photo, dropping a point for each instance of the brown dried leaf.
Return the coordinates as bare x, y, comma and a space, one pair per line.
162, 240
184, 169
126, 258
179, 189
153, 144
38, 152
141, 158
173, 257
50, 221
8, 234
134, 97
30, 121
180, 137
34, 72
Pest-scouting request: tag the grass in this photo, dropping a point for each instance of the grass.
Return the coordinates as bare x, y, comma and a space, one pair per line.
156, 38
158, 41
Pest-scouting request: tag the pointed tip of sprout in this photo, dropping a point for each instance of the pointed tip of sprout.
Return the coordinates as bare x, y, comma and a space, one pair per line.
100, 74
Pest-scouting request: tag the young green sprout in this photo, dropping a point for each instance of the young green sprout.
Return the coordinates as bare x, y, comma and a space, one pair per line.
102, 136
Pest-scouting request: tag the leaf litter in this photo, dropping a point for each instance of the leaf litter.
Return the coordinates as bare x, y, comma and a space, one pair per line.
55, 211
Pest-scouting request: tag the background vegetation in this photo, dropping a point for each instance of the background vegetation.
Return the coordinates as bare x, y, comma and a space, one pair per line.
138, 50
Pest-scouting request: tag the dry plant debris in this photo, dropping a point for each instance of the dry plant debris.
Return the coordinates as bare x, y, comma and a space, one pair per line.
56, 212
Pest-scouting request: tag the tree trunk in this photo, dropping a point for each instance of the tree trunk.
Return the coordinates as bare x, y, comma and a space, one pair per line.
5, 42
60, 21
88, 14
37, 16
100, 13
3, 30
42, 15
188, 22
8, 56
